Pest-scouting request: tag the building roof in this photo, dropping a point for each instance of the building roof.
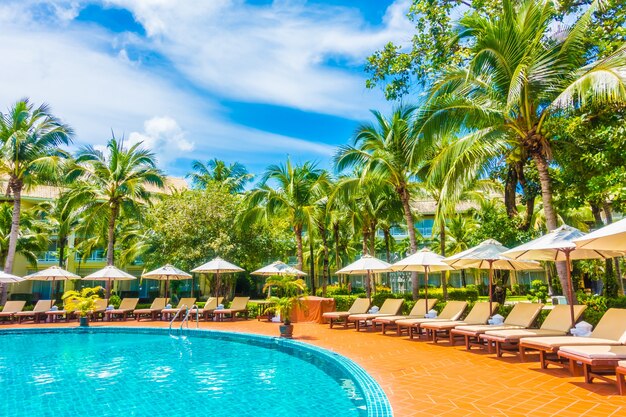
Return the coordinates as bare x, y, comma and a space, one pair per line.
48, 192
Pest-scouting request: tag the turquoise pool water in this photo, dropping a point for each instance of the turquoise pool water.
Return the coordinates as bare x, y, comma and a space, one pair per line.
125, 373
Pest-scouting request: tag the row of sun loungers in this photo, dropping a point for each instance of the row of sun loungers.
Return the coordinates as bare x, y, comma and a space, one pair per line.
603, 351
13, 310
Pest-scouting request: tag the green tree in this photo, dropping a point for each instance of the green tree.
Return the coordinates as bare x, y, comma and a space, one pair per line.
518, 77
386, 149
293, 197
111, 185
29, 155
33, 237
63, 219
235, 176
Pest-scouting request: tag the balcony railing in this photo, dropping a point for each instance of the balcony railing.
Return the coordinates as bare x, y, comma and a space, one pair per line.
48, 256
94, 256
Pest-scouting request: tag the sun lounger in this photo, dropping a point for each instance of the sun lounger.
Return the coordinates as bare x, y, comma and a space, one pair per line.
557, 323
56, 315
183, 303
127, 306
100, 308
391, 307
153, 312
10, 308
611, 330
521, 316
417, 312
239, 305
597, 361
452, 311
479, 314
209, 307
38, 313
359, 306
620, 375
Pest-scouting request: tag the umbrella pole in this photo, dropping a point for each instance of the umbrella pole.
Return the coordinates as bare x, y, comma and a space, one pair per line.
568, 262
167, 281
490, 286
425, 287
217, 284
52, 292
369, 286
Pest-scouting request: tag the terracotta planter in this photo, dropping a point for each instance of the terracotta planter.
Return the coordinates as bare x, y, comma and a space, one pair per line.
84, 321
286, 331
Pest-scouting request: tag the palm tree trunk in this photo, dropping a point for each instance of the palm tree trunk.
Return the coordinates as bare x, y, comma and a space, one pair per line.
606, 207
509, 191
312, 263
410, 225
442, 244
62, 252
111, 243
387, 252
299, 253
550, 213
336, 237
325, 261
16, 188
529, 196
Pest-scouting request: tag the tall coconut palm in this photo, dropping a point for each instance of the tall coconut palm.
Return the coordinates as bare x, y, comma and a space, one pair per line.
520, 74
112, 185
33, 235
30, 138
387, 149
235, 176
63, 219
293, 197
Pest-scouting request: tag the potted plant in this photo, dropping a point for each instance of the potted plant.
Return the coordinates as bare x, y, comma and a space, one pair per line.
291, 290
82, 302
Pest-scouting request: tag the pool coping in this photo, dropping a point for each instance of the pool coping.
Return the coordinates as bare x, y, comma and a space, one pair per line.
376, 400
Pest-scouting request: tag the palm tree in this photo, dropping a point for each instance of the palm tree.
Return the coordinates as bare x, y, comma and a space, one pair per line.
387, 149
518, 77
29, 155
293, 197
234, 176
63, 218
112, 185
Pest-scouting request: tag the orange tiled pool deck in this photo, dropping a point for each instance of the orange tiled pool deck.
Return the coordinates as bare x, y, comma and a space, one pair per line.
420, 378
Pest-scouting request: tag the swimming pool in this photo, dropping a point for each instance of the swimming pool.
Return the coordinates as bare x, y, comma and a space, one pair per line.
144, 372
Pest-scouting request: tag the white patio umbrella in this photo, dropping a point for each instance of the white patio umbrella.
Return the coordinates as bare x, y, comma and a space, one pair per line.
54, 273
557, 246
366, 266
9, 278
424, 261
217, 266
489, 255
109, 273
166, 273
609, 237
277, 268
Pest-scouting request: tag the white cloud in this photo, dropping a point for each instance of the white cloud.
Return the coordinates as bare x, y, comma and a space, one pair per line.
272, 54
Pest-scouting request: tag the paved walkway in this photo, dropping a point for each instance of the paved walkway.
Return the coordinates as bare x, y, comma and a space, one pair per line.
439, 380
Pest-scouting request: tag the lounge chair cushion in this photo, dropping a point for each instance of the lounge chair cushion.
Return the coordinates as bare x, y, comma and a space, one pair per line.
597, 352
621, 364
444, 325
557, 341
482, 328
517, 334
480, 313
523, 314
361, 317
336, 314
12, 307
612, 325
417, 322
559, 318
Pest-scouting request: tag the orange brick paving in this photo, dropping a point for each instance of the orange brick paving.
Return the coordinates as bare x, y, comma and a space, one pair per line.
420, 378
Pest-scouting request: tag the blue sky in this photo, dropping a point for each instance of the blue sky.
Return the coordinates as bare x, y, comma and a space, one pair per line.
252, 81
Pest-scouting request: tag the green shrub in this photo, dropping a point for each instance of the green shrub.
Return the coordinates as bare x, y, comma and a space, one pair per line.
538, 291
332, 290
619, 302
115, 300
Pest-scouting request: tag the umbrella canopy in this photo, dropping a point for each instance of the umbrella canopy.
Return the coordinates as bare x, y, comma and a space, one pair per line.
611, 237
558, 245
9, 278
425, 261
365, 266
489, 255
166, 273
54, 273
110, 273
278, 268
217, 266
